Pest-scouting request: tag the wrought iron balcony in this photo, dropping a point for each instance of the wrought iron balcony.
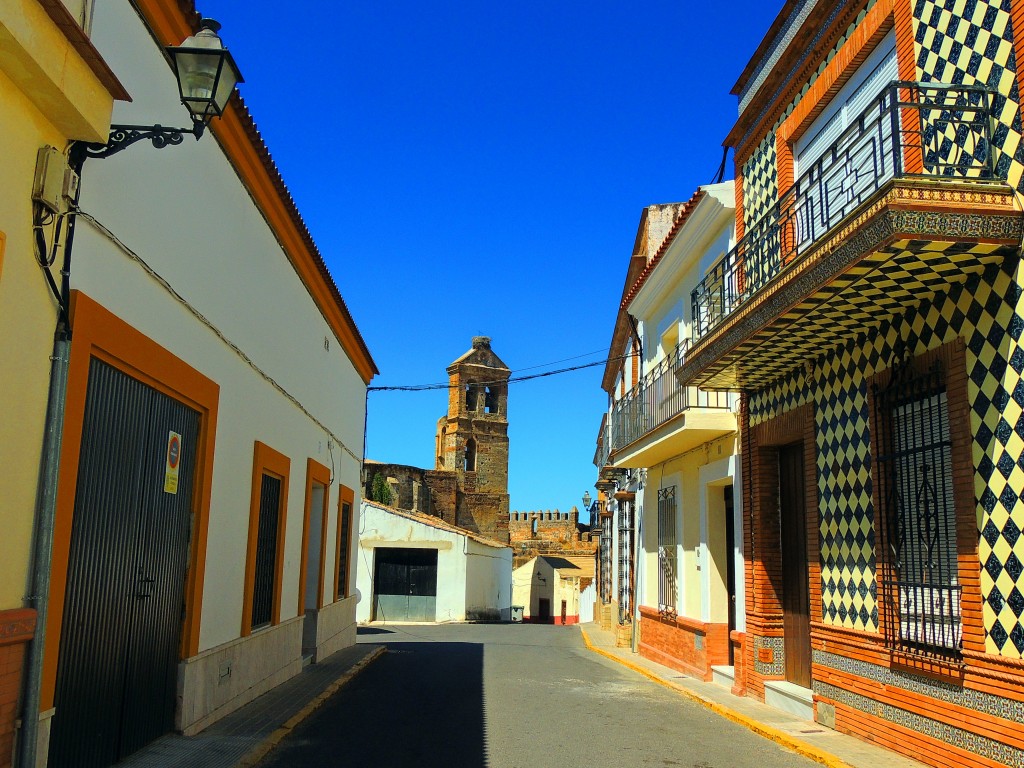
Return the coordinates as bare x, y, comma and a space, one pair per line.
911, 131
604, 446
657, 399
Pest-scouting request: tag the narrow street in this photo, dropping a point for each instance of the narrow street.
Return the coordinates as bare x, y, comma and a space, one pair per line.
512, 696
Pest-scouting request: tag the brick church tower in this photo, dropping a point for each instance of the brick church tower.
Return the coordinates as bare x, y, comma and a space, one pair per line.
472, 440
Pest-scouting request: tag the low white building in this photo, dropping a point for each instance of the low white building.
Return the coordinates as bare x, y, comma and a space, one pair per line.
416, 567
548, 588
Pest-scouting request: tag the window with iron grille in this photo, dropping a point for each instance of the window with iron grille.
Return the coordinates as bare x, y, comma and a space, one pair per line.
625, 559
266, 552
667, 550
606, 559
918, 522
344, 543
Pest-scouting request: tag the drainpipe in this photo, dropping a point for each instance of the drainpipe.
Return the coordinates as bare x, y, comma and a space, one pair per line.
46, 496
46, 508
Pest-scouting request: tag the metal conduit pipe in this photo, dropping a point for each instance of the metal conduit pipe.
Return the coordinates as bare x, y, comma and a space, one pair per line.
46, 509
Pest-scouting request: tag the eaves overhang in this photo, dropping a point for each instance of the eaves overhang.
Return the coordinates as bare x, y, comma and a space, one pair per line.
911, 241
171, 21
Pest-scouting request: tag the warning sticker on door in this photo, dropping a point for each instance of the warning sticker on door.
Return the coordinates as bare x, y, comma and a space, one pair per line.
173, 460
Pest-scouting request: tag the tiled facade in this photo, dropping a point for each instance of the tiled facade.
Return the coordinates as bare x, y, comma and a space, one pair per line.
923, 270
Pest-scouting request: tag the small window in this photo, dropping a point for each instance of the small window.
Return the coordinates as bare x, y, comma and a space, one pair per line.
490, 400
471, 397
667, 556
266, 552
471, 455
341, 581
533, 528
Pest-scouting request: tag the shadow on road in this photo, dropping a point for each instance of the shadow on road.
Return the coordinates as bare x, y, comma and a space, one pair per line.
420, 704
373, 631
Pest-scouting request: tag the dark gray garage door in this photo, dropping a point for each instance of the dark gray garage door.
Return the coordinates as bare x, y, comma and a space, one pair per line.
117, 670
404, 584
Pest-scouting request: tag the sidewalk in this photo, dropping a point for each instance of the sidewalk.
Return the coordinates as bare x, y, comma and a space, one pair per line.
816, 742
242, 738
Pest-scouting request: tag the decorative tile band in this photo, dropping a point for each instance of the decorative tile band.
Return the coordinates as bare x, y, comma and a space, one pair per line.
949, 734
997, 706
774, 648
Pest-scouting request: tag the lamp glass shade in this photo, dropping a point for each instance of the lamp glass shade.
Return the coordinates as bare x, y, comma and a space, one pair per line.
586, 499
206, 74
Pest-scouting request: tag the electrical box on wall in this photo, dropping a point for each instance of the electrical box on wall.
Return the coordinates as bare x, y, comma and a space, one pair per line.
54, 181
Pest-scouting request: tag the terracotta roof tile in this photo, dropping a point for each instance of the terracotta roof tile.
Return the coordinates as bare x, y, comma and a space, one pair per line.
681, 218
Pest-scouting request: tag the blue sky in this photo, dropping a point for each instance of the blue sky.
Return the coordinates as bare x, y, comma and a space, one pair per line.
480, 170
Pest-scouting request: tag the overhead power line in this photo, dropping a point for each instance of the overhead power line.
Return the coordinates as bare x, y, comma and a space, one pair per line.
511, 380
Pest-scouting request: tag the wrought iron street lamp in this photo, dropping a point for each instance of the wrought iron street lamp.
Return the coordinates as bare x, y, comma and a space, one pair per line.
207, 75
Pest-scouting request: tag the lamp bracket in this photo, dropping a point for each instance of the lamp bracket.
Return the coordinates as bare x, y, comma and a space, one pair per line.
123, 136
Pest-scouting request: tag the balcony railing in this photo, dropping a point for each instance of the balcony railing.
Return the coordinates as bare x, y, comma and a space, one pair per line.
604, 446
656, 399
912, 130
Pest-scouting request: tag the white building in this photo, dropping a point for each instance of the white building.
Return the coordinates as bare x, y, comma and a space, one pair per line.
213, 431
416, 567
550, 589
671, 467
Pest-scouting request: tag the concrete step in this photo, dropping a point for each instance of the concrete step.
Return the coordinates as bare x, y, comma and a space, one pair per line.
724, 676
789, 697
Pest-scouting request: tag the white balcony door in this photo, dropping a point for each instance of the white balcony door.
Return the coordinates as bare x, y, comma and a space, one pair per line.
839, 168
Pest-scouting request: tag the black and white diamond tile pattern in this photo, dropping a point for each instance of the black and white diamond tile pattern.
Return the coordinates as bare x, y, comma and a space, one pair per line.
860, 300
846, 513
760, 183
970, 42
960, 42
987, 311
816, 74
789, 392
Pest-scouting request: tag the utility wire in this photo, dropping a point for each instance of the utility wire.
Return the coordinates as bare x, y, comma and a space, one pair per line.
510, 380
102, 229
446, 385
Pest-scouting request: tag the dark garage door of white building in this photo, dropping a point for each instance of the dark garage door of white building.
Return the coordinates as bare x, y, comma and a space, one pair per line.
404, 584
124, 603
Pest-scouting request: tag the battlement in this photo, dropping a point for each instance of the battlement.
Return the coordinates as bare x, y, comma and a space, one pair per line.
548, 515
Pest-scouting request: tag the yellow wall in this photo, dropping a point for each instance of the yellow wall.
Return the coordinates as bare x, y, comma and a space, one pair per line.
684, 473
47, 95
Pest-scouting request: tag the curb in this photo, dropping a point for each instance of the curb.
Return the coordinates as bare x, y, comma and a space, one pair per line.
781, 738
257, 753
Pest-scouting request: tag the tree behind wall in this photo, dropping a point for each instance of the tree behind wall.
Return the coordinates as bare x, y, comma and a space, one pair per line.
381, 491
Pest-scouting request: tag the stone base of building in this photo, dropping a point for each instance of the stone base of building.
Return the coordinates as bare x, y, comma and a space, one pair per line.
216, 682
683, 644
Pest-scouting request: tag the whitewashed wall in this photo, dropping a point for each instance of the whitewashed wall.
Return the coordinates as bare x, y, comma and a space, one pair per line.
185, 212
488, 582
470, 575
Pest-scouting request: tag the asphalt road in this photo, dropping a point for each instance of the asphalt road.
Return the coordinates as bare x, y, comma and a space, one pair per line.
512, 696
